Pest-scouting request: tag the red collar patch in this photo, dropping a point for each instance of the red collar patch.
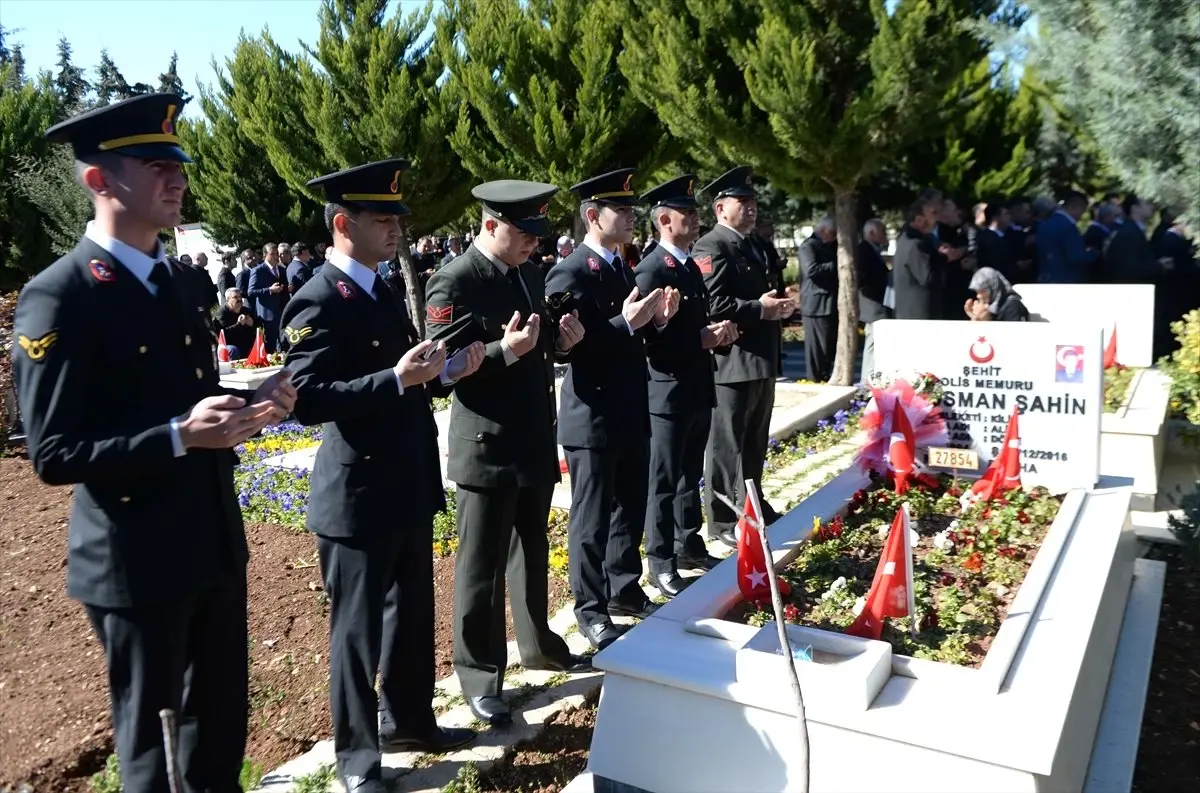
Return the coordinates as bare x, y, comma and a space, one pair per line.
345, 289
439, 315
670, 260
593, 264
101, 271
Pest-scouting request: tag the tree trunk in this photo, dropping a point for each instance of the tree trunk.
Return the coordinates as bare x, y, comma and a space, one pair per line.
413, 293
845, 205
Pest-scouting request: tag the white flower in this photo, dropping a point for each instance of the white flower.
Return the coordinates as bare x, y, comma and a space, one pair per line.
941, 541
884, 528
953, 525
859, 605
834, 588
913, 538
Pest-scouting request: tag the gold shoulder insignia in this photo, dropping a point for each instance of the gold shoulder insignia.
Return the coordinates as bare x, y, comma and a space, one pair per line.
296, 335
36, 349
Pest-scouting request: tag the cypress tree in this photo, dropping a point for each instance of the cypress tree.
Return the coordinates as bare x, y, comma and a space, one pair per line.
27, 109
818, 96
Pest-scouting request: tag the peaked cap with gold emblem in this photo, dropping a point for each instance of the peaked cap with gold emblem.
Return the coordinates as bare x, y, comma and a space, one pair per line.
736, 182
614, 187
523, 204
141, 126
678, 193
375, 187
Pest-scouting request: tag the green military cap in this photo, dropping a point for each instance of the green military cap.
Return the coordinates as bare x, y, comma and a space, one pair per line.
737, 182
375, 187
141, 126
614, 187
678, 193
523, 204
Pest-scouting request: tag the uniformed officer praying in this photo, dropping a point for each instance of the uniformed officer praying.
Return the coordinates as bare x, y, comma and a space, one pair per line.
361, 370
118, 387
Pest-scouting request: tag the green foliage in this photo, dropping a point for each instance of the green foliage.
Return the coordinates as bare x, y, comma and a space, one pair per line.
111, 85
1126, 71
27, 108
169, 82
69, 83
319, 781
1183, 367
48, 184
242, 199
250, 777
541, 96
108, 780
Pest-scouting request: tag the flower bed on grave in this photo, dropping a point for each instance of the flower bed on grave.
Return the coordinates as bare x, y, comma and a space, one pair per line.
274, 359
969, 556
1116, 386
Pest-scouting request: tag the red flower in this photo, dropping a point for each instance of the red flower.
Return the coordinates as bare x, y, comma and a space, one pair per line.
836, 527
1007, 552
954, 490
1023, 517
947, 579
791, 613
974, 562
987, 513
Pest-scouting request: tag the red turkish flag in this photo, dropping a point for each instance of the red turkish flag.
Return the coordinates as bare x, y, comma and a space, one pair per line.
1005, 471
901, 451
222, 347
891, 591
1110, 350
258, 352
752, 562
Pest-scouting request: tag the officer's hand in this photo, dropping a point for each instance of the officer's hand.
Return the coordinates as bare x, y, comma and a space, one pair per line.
667, 307
466, 361
278, 390
718, 334
570, 331
638, 312
523, 340
222, 422
776, 307
276, 288
414, 368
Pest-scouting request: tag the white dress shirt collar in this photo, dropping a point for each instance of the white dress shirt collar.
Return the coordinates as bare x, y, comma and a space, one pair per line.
355, 270
134, 260
671, 249
600, 249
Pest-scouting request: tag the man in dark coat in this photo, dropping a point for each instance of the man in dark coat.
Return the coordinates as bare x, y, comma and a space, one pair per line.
604, 424
299, 271
503, 452
873, 277
269, 289
682, 392
1061, 255
993, 249
361, 370
237, 323
818, 299
740, 290
157, 552
916, 268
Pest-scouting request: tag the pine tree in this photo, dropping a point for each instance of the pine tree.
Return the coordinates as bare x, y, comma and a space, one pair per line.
817, 95
1126, 71
27, 109
368, 89
111, 85
542, 97
48, 183
241, 199
69, 81
169, 82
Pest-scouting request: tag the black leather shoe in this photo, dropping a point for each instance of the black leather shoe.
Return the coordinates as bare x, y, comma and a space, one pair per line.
602, 634
355, 784
491, 710
670, 584
640, 611
439, 741
726, 536
572, 664
705, 562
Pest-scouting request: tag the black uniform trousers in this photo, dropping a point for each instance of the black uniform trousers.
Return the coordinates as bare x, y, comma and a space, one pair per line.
189, 656
495, 524
820, 347
608, 516
673, 514
737, 448
381, 619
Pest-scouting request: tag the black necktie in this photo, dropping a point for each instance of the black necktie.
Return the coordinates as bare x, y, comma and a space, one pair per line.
513, 274
619, 266
160, 276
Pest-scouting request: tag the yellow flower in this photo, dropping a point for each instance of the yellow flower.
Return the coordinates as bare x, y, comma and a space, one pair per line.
558, 559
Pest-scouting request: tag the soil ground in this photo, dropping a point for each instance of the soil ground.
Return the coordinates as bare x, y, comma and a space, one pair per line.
55, 732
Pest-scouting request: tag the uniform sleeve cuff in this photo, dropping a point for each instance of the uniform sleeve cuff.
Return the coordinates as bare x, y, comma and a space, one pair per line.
399, 383
510, 357
177, 446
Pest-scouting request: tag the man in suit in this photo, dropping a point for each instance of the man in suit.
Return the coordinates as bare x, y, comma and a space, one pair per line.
917, 276
157, 552
739, 290
299, 272
604, 423
503, 452
361, 371
993, 248
1020, 235
873, 278
818, 299
1061, 255
269, 289
682, 392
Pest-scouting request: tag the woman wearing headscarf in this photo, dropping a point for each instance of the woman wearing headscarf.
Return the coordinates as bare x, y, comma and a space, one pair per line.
995, 300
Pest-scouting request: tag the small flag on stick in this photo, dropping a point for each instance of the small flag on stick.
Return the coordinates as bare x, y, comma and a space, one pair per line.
891, 593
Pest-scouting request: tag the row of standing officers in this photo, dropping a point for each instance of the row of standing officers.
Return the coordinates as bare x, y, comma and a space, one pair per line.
157, 552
